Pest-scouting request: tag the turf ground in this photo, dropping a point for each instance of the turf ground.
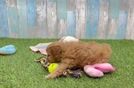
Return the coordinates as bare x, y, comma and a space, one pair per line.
20, 70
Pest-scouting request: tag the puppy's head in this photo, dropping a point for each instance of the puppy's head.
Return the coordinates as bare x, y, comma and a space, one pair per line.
54, 52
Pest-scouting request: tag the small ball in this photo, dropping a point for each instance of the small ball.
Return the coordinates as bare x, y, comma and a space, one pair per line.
52, 67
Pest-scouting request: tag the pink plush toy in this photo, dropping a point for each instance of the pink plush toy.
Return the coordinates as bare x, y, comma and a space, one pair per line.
98, 70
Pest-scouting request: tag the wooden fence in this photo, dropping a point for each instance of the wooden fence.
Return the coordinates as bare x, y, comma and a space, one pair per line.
85, 19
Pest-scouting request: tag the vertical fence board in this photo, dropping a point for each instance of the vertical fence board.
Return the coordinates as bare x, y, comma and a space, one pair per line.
31, 13
85, 19
71, 18
80, 18
51, 18
41, 9
123, 14
92, 18
113, 19
4, 32
62, 17
130, 21
22, 13
13, 18
103, 19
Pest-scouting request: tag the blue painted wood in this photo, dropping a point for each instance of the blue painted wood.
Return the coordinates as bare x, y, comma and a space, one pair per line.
122, 25
13, 18
42, 31
62, 17
52, 19
13, 22
71, 23
4, 32
103, 19
62, 9
130, 21
56, 18
114, 8
113, 19
92, 18
22, 13
31, 13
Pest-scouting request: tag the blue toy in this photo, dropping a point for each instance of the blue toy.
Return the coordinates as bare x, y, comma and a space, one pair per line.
8, 49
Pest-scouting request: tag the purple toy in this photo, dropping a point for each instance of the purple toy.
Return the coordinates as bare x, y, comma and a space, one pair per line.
98, 70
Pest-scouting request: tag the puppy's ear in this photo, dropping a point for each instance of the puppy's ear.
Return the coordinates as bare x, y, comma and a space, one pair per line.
55, 50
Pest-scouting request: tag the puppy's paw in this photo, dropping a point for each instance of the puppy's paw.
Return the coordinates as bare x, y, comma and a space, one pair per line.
47, 77
50, 76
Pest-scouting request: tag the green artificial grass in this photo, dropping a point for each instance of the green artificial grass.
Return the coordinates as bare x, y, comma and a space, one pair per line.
20, 70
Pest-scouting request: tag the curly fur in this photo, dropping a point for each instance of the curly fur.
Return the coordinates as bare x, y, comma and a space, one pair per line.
79, 54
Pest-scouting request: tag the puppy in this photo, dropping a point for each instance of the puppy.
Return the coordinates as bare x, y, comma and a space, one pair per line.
78, 54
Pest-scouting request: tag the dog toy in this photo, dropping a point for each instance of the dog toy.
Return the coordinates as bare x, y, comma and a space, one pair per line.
52, 67
69, 39
92, 72
104, 67
8, 49
41, 48
74, 72
98, 70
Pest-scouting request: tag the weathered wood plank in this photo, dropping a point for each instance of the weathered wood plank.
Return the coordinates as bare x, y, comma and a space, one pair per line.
130, 21
71, 18
123, 14
22, 13
80, 18
31, 13
92, 18
51, 18
103, 19
4, 32
62, 17
13, 18
41, 10
31, 18
113, 19
87, 19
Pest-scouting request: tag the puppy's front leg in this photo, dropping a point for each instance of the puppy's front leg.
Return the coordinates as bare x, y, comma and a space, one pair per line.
60, 69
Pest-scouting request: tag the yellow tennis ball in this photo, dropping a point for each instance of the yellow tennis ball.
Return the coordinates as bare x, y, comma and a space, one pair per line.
52, 67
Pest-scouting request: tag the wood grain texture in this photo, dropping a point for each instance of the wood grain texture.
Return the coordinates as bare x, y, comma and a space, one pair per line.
130, 21
84, 19
62, 17
71, 18
103, 19
13, 18
71, 23
51, 18
80, 18
4, 32
22, 13
31, 13
113, 19
41, 28
123, 14
92, 18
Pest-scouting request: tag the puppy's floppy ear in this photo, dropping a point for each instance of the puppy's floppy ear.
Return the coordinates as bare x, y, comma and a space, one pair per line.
55, 50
